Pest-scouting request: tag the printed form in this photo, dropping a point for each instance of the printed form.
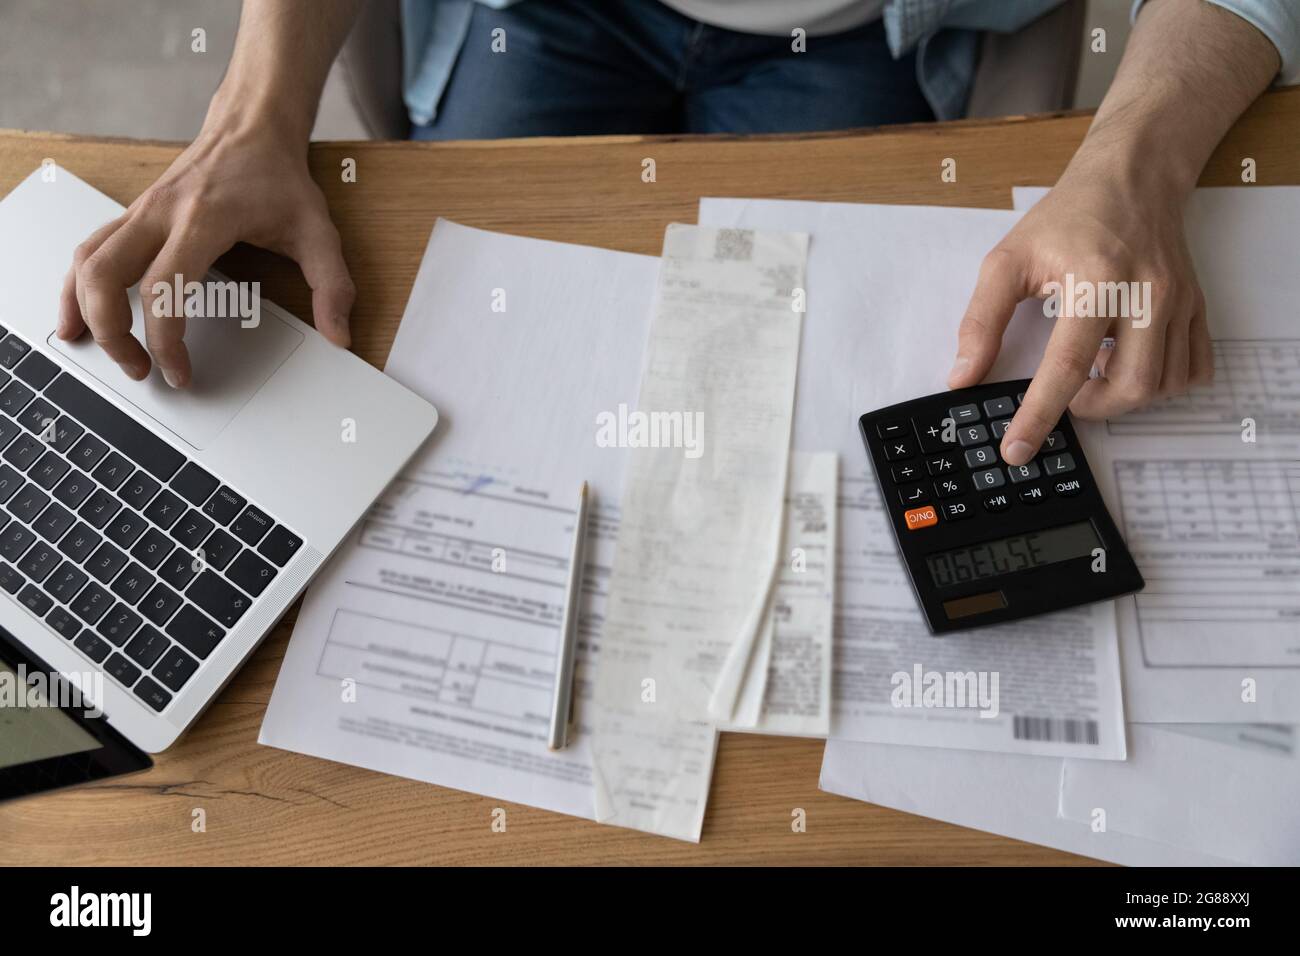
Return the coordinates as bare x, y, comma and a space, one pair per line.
881, 328
1205, 487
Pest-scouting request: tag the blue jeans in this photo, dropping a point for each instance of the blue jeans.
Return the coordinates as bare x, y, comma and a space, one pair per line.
587, 67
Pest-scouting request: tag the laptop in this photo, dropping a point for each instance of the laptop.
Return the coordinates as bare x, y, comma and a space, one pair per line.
150, 538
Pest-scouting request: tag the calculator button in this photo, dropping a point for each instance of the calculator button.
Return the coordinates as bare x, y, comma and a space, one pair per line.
947, 487
989, 478
892, 429
1025, 472
1068, 488
919, 518
1053, 442
972, 435
912, 494
981, 457
956, 510
995, 503
997, 407
1032, 496
962, 414
943, 465
999, 428
1056, 464
932, 433
896, 449
905, 473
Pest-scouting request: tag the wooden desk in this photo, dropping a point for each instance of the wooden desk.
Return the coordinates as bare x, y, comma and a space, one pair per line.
268, 806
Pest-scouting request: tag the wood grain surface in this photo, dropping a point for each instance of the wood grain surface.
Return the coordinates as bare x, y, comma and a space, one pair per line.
267, 806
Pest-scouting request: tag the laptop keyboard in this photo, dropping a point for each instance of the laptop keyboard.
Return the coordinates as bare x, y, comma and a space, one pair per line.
139, 557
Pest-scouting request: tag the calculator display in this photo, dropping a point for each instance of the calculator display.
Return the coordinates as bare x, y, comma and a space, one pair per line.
1016, 553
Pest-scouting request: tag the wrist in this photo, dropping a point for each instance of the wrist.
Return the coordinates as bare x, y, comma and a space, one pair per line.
261, 111
1147, 167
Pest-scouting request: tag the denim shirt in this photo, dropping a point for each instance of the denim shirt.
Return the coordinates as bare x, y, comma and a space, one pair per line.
945, 34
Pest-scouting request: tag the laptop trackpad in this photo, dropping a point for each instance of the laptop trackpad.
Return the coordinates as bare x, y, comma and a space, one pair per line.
230, 364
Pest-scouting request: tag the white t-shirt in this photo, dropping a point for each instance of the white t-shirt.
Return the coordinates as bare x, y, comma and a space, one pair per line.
779, 17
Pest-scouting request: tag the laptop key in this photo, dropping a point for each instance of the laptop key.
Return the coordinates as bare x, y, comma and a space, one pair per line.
194, 484
195, 632
65, 582
105, 563
119, 624
64, 624
113, 470
10, 482
223, 506
36, 370
99, 508
125, 434
35, 600
175, 668
87, 452
152, 693
132, 583
251, 573
165, 509
14, 398
252, 525
218, 599
23, 451
12, 349
91, 603
152, 548
39, 419
53, 522
160, 604
191, 529
280, 545
39, 561
121, 670
49, 470
74, 489
28, 503
66, 431
179, 568
93, 646
14, 540
80, 542
10, 578
9, 429
138, 489
147, 646
218, 550
125, 527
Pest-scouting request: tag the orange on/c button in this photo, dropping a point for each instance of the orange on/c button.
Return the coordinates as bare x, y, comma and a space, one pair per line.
920, 518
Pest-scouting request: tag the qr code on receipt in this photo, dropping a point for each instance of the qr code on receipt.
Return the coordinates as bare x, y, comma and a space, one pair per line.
734, 244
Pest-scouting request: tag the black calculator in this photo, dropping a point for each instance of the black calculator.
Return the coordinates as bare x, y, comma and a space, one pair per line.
984, 541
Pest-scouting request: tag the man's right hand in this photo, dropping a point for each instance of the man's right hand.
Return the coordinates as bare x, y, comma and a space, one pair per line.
244, 179
228, 186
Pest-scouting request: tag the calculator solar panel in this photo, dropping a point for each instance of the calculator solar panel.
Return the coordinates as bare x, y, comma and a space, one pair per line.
984, 541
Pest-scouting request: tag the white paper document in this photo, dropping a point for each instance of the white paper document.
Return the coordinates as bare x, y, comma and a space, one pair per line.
428, 646
1008, 794
1226, 789
788, 686
703, 505
1205, 487
887, 287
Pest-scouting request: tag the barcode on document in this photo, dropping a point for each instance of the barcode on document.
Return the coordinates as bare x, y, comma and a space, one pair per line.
734, 244
1056, 730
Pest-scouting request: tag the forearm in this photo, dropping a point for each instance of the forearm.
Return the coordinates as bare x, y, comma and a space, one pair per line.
1190, 69
282, 55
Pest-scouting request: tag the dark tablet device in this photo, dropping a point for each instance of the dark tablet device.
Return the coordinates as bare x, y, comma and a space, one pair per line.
52, 736
984, 541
